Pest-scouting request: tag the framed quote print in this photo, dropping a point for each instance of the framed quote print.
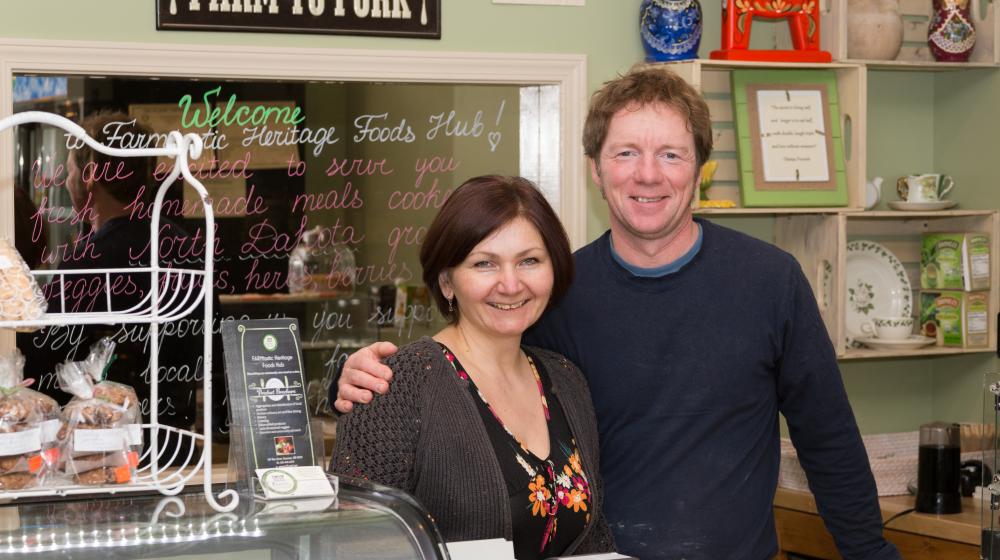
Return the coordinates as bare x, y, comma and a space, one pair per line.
789, 140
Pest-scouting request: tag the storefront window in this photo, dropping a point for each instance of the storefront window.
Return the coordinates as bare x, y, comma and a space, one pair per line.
322, 190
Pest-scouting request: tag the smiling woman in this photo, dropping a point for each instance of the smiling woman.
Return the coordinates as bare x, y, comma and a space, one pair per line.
472, 398
476, 213
504, 284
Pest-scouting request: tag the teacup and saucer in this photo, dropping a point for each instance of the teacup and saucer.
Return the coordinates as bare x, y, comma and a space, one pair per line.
892, 333
923, 192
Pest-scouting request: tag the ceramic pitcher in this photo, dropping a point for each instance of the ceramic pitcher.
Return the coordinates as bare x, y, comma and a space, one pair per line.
874, 29
873, 192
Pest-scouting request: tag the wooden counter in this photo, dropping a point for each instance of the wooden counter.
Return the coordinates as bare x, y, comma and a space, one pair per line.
918, 536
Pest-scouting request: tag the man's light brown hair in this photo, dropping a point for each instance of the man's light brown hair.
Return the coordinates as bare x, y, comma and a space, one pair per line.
643, 86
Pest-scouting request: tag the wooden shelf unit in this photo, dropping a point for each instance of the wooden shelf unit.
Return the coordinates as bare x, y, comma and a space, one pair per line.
921, 66
818, 237
869, 354
741, 211
819, 242
915, 54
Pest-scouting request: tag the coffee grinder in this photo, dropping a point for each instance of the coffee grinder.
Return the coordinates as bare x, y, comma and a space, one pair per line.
938, 474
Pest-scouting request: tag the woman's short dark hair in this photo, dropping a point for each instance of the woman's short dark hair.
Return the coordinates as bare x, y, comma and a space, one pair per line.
476, 209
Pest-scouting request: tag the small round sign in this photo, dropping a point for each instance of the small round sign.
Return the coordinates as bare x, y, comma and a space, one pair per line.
278, 481
270, 343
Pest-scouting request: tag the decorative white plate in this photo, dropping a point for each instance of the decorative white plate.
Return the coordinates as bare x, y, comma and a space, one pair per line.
877, 286
915, 341
921, 206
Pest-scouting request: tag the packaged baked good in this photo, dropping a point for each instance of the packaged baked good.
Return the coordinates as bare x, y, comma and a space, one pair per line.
29, 424
101, 438
20, 297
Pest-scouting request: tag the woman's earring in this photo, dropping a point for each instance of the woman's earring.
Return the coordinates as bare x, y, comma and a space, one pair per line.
451, 307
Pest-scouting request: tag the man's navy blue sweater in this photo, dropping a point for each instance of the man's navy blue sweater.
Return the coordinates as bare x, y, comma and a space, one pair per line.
688, 372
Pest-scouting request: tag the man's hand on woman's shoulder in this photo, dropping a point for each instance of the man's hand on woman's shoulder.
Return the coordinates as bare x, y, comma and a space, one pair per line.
364, 374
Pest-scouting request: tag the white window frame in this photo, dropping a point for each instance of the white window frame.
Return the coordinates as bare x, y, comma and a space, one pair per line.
242, 62
246, 63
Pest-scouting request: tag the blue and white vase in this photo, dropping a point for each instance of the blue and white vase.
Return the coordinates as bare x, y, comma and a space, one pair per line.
670, 29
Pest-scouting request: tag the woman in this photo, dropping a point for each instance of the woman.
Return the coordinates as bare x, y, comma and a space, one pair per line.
495, 439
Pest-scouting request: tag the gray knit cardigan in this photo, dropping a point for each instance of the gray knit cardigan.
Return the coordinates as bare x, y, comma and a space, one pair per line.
426, 437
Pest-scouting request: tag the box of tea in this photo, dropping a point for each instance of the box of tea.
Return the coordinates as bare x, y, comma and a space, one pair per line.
955, 261
962, 318
928, 315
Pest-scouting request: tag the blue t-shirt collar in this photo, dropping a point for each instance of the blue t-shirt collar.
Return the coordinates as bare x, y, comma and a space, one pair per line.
659, 271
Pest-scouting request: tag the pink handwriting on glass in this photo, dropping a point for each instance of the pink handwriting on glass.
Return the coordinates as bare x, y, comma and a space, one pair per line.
91, 172
249, 204
358, 167
209, 169
430, 198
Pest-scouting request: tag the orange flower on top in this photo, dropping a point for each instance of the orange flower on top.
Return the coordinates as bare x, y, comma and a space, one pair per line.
577, 500
539, 496
574, 461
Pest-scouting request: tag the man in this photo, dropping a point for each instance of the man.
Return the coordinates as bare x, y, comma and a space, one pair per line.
693, 337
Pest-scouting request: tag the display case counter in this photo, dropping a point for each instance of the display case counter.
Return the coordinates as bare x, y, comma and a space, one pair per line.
366, 521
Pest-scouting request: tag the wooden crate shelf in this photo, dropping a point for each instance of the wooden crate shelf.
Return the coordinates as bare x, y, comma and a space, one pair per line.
869, 354
818, 237
914, 54
819, 242
739, 210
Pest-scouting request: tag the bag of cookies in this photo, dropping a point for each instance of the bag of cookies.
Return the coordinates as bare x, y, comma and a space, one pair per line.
20, 297
101, 438
29, 424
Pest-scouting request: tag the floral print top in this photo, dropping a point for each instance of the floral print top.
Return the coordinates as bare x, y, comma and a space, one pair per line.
550, 498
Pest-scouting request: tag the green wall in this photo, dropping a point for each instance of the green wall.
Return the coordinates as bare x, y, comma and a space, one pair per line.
965, 144
918, 121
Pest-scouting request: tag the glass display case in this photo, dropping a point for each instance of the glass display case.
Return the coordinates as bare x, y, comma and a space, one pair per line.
365, 521
989, 478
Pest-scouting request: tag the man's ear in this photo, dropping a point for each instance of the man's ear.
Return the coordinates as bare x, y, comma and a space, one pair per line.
88, 184
595, 172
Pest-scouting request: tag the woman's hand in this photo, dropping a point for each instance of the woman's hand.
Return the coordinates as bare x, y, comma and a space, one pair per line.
364, 374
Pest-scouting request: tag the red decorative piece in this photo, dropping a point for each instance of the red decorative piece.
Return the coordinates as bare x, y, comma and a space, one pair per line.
951, 34
803, 20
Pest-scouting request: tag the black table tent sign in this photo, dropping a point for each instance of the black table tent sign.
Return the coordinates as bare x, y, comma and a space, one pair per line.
270, 425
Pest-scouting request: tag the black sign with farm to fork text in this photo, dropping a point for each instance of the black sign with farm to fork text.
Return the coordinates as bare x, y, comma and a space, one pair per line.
393, 18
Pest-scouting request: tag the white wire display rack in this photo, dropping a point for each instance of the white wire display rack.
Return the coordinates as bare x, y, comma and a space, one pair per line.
174, 294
